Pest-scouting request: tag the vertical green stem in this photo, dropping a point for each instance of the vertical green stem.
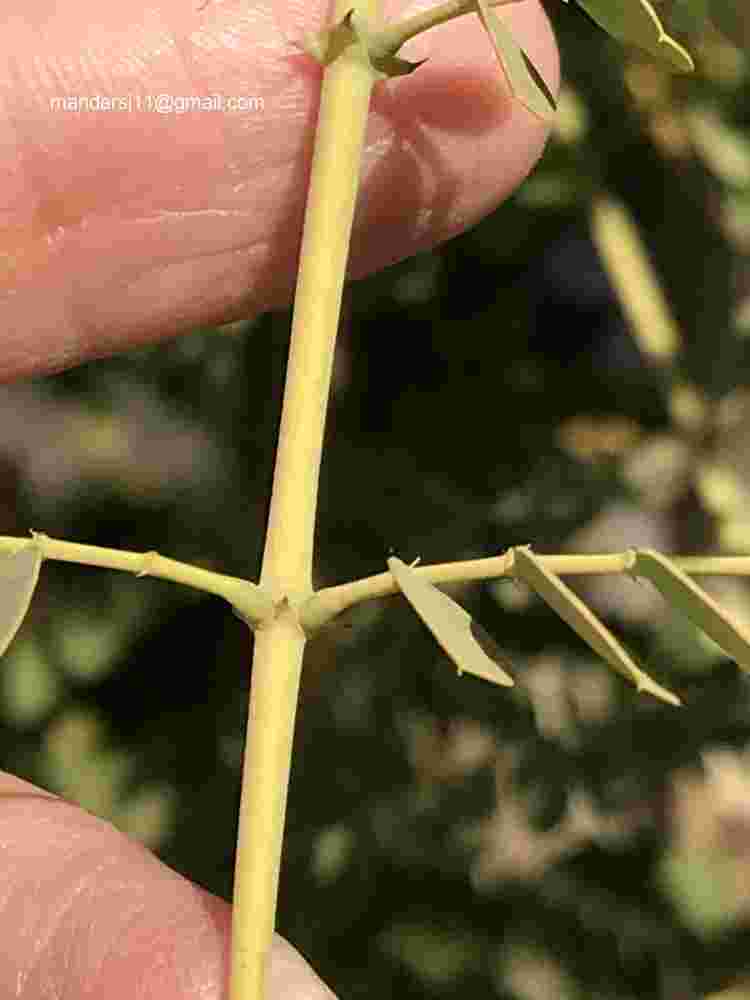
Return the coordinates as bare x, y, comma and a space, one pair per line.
334, 180
287, 561
277, 662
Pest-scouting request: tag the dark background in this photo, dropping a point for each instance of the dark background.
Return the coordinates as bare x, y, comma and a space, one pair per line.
568, 837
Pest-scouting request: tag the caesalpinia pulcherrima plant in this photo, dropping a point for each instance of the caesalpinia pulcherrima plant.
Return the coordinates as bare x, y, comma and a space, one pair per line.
357, 51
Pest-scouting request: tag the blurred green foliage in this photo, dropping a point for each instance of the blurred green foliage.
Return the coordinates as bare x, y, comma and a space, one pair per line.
445, 838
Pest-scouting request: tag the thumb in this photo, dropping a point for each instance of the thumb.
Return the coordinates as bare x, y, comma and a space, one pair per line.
155, 161
87, 913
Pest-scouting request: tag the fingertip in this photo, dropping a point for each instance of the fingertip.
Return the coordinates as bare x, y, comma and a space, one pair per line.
87, 912
449, 143
292, 978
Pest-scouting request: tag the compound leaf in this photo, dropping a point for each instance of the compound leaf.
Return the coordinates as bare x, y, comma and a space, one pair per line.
582, 620
18, 578
463, 639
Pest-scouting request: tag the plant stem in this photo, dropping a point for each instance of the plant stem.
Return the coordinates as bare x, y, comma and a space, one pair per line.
329, 602
287, 561
246, 597
390, 38
277, 662
334, 180
256, 607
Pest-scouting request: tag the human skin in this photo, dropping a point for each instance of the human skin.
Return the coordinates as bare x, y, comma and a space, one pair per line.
120, 228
